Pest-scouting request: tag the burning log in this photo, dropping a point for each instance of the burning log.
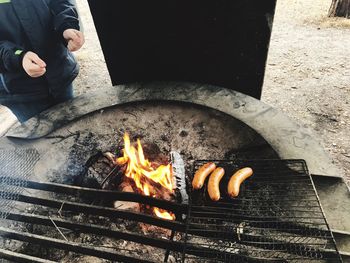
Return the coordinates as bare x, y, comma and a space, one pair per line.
148, 178
155, 190
126, 186
133, 172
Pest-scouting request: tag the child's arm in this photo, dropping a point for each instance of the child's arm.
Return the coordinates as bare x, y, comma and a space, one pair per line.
67, 23
65, 15
11, 57
14, 59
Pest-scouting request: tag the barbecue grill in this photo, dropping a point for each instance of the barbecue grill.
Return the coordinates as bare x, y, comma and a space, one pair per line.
278, 217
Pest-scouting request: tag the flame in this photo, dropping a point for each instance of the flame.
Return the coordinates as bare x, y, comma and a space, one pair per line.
163, 214
138, 167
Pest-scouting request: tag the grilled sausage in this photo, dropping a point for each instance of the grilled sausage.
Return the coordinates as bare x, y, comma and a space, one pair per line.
214, 183
201, 175
237, 179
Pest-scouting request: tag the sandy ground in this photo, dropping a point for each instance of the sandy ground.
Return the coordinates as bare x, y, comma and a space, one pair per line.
307, 74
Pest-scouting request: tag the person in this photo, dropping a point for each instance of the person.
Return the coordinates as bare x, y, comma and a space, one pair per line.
37, 67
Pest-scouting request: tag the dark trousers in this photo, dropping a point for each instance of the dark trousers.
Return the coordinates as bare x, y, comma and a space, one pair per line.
25, 106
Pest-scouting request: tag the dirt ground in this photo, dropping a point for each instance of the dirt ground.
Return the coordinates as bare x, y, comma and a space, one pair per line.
307, 74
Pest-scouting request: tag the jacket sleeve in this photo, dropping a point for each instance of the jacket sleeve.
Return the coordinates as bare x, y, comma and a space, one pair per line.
11, 57
65, 15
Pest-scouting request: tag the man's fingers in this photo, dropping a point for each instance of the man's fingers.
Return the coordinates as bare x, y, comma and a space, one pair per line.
75, 39
37, 74
33, 65
35, 59
36, 70
75, 35
70, 46
80, 37
73, 46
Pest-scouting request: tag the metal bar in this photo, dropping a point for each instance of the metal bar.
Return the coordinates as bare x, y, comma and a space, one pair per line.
283, 182
228, 257
318, 199
103, 231
268, 222
306, 251
110, 195
236, 209
233, 216
211, 206
342, 239
284, 201
281, 191
271, 162
279, 185
232, 235
69, 246
167, 252
102, 194
97, 230
97, 210
296, 192
21, 258
233, 210
119, 214
293, 248
254, 239
316, 232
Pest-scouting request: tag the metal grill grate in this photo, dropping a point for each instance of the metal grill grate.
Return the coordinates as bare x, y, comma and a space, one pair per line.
277, 217
16, 165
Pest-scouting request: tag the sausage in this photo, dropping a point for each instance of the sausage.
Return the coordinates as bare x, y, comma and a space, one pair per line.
201, 175
237, 179
214, 183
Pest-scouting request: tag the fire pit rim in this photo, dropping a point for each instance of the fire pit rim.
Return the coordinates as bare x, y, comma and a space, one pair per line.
286, 137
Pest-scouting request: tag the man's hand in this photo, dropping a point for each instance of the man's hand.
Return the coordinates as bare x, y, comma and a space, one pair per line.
74, 38
33, 65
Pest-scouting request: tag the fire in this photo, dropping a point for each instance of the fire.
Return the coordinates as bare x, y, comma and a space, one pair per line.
163, 214
138, 167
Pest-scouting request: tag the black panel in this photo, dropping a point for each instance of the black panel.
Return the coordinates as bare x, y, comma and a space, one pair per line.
220, 42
